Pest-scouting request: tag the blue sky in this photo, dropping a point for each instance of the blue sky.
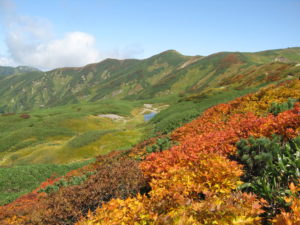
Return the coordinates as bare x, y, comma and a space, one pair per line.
56, 33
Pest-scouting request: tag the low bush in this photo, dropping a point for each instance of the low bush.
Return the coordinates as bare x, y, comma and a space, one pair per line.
25, 116
118, 177
291, 216
277, 108
270, 166
160, 145
75, 180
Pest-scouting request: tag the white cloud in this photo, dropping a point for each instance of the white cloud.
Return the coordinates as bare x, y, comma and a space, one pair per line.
74, 49
5, 61
31, 41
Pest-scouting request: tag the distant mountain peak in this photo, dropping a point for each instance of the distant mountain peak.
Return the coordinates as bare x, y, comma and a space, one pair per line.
8, 70
170, 51
26, 69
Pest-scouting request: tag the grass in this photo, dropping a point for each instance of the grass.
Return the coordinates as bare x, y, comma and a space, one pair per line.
19, 180
184, 111
75, 132
69, 133
87, 138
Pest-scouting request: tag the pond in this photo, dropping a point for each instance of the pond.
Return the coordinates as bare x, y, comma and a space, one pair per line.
149, 116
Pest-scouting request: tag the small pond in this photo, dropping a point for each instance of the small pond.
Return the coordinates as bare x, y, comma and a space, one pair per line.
149, 116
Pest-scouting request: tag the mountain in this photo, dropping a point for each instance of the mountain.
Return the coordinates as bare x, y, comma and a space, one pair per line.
71, 102
166, 74
237, 163
183, 154
7, 70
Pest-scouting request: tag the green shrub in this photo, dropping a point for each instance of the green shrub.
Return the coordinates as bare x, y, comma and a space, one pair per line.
277, 108
175, 116
76, 180
270, 166
190, 108
161, 144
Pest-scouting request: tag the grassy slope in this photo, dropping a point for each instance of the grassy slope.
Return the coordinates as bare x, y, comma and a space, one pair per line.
20, 180
47, 136
185, 111
204, 80
75, 132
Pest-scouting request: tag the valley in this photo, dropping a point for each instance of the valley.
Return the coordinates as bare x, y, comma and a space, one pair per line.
66, 130
71, 133
68, 101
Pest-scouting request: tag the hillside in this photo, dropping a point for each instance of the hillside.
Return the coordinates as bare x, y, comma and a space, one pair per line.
237, 163
76, 114
166, 74
7, 70
68, 101
70, 133
193, 85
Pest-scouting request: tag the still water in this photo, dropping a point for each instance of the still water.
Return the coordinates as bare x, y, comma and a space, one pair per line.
149, 116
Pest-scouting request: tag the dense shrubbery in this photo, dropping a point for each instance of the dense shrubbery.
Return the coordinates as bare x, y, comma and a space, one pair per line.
196, 193
260, 102
63, 182
160, 145
292, 216
270, 166
150, 145
115, 176
195, 181
191, 183
277, 108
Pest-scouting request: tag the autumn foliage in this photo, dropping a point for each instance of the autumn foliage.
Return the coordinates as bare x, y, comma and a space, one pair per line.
293, 217
196, 181
24, 116
116, 176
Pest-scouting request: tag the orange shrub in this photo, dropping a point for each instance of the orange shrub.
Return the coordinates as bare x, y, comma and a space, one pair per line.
118, 211
191, 183
237, 208
293, 217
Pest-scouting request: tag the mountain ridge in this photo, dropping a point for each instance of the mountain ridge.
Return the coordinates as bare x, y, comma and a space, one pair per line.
166, 73
9, 70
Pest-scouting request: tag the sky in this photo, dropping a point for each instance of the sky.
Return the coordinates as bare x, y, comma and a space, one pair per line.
63, 33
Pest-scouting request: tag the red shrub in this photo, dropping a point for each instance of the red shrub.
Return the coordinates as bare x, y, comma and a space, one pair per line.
25, 116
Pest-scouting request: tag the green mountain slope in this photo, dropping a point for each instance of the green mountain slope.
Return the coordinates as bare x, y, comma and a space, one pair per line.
165, 74
69, 133
62, 124
8, 70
